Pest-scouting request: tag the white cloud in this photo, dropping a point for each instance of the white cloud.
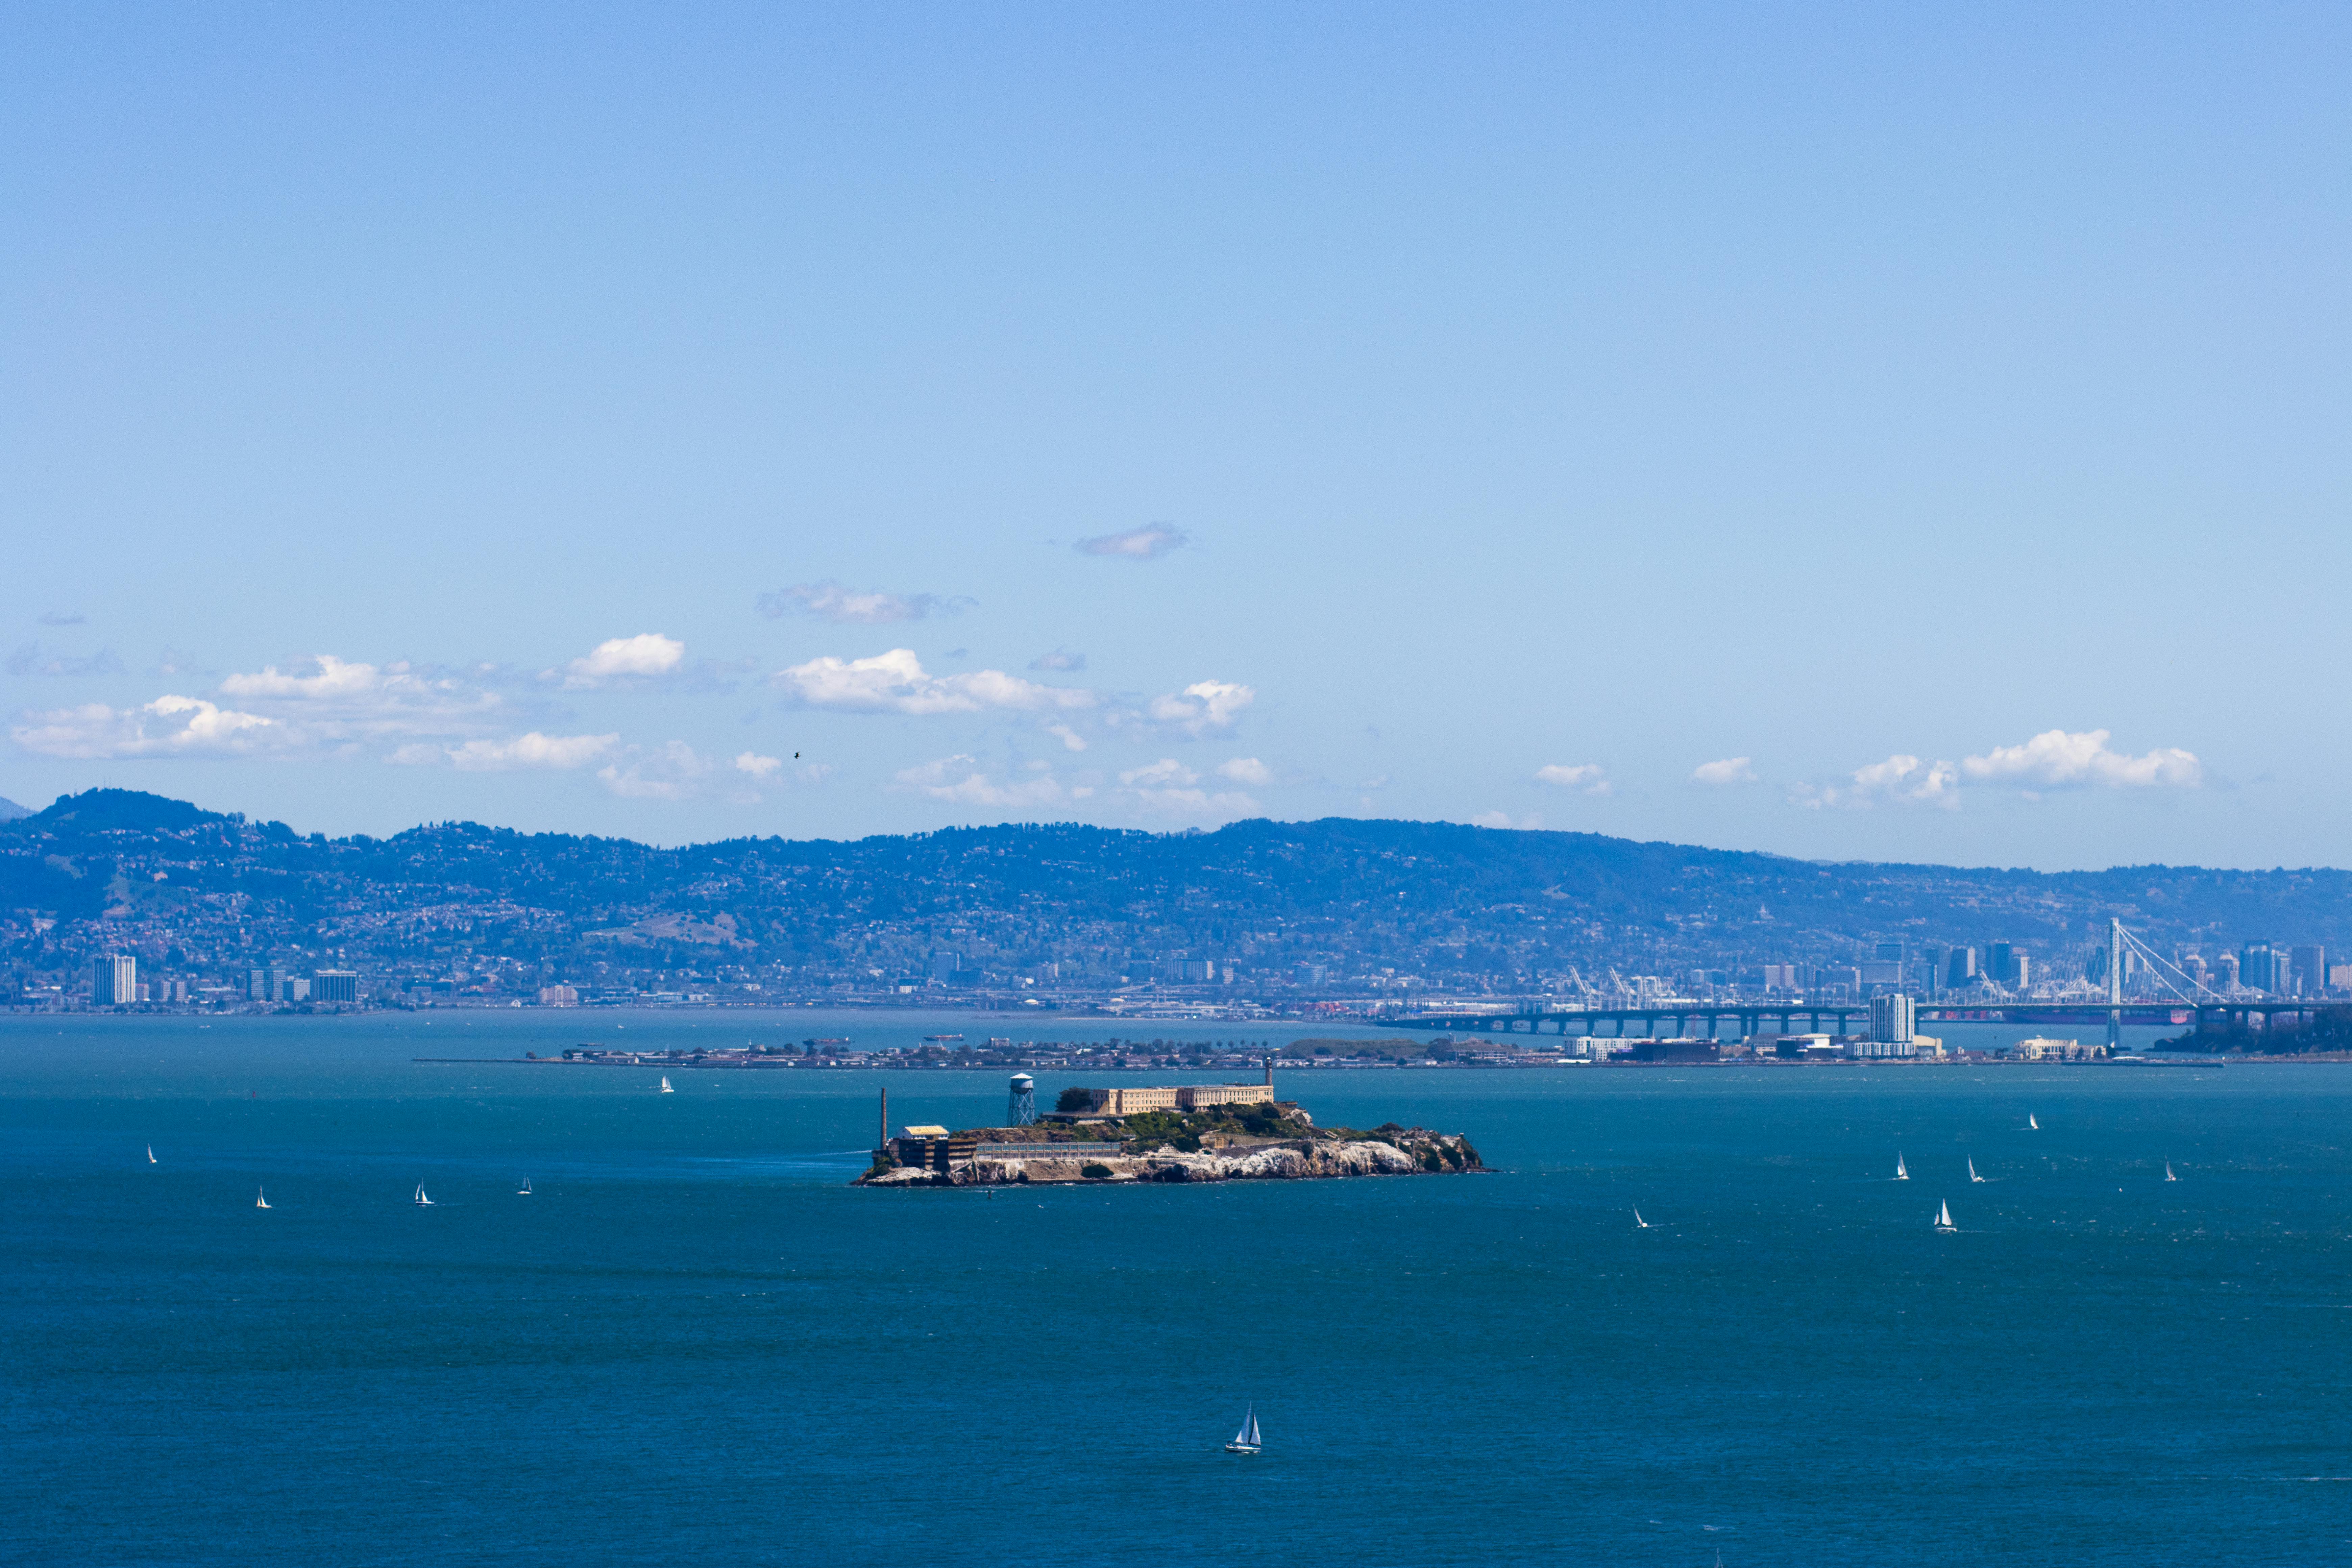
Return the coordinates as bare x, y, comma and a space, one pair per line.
32, 659
1727, 771
960, 781
1527, 824
2055, 758
170, 726
1900, 780
1071, 740
669, 773
830, 601
1245, 771
758, 766
645, 655
1590, 778
896, 682
341, 700
333, 679
1166, 771
1060, 659
517, 753
1146, 543
1203, 706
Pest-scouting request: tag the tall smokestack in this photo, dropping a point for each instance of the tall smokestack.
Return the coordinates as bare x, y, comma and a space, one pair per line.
1269, 1072
885, 1143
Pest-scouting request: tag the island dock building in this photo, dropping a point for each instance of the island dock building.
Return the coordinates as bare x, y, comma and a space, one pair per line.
1177, 1096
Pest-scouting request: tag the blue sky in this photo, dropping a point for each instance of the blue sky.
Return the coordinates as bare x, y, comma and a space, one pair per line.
1893, 432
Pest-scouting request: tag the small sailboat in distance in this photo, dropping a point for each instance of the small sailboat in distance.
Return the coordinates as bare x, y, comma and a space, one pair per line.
1245, 1441
523, 1191
666, 1087
260, 1199
1902, 1172
2030, 1123
420, 1200
1972, 1172
150, 1153
2167, 1171
1639, 1223
1943, 1217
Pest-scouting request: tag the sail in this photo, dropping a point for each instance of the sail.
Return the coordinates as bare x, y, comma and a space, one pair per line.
1250, 1427
1943, 1216
1902, 1173
2031, 1122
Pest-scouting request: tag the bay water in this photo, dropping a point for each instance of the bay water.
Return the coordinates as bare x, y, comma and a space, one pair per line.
696, 1342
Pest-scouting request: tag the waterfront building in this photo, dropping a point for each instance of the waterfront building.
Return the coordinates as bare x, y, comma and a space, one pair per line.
335, 985
558, 996
114, 980
1891, 1019
2042, 1050
1881, 1050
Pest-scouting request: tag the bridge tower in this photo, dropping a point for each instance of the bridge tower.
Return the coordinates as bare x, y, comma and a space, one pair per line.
2114, 984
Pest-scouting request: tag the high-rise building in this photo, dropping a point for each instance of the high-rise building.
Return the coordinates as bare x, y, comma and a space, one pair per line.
2225, 972
2308, 965
114, 981
945, 962
335, 985
2262, 966
1961, 968
2000, 963
1888, 952
1890, 1019
2021, 967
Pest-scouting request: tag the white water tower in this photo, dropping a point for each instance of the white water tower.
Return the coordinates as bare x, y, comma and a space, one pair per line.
1021, 1104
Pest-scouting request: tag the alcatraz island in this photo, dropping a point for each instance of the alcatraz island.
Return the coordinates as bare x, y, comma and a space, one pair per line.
1183, 1132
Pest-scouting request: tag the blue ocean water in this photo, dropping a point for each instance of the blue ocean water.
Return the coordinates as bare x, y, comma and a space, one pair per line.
695, 1342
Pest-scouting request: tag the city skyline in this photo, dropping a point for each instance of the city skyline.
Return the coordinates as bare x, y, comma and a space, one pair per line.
1839, 434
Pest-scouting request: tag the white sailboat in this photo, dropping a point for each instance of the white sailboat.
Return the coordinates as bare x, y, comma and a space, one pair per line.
1972, 1172
2036, 1126
1245, 1441
1902, 1172
2167, 1171
150, 1153
420, 1200
666, 1087
523, 1191
1943, 1217
260, 1199
1639, 1223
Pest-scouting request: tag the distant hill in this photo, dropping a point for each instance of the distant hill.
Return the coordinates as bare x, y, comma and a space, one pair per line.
10, 811
1468, 905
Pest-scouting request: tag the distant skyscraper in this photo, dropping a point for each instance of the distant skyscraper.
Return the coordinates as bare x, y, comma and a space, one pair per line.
2309, 965
1961, 969
2262, 966
1998, 965
114, 980
1890, 1019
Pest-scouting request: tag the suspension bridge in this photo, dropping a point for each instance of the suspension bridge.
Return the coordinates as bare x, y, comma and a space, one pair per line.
2182, 993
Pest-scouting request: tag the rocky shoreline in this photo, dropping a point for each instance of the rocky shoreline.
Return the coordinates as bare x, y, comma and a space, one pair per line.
1398, 1151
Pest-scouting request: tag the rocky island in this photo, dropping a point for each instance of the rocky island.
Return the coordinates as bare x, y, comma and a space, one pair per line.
1206, 1132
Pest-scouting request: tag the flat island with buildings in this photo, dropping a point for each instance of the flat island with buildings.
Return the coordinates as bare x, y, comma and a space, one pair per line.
1183, 1132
